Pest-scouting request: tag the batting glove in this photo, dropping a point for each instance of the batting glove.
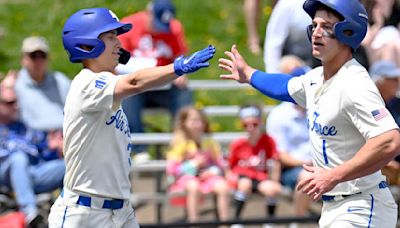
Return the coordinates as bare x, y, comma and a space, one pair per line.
190, 64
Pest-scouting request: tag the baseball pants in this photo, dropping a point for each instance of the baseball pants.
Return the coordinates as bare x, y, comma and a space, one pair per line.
68, 212
373, 208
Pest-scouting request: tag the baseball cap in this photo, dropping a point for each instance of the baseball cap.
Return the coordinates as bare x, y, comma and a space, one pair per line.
384, 69
163, 13
35, 43
250, 111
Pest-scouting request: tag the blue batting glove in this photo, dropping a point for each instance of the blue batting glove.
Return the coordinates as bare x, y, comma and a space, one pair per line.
190, 64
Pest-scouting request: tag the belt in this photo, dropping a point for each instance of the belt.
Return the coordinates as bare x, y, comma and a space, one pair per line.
86, 201
326, 198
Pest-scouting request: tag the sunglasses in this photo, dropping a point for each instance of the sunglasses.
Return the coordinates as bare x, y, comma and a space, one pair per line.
251, 124
37, 55
9, 103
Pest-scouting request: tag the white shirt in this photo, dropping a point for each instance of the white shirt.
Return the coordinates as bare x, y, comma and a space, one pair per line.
288, 126
96, 138
288, 21
341, 114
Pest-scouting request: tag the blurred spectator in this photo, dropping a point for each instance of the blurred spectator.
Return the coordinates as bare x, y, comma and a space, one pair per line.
382, 41
24, 166
156, 40
287, 35
41, 92
291, 137
255, 162
195, 163
386, 76
252, 13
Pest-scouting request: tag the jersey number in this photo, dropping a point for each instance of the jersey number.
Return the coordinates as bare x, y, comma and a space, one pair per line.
324, 151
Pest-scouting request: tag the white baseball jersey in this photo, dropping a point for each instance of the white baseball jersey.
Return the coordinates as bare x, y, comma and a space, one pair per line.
342, 113
96, 138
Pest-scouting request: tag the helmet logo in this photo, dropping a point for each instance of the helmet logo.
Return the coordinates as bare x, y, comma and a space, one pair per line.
113, 15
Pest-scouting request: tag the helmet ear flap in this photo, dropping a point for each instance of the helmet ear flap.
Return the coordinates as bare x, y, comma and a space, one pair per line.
88, 48
349, 33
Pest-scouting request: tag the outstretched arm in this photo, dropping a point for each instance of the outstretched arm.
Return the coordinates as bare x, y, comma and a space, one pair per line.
272, 85
145, 79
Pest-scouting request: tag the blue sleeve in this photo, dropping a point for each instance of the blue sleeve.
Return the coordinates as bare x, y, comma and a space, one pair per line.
272, 85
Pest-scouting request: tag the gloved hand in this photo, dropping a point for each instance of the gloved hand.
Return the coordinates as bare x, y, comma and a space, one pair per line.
189, 64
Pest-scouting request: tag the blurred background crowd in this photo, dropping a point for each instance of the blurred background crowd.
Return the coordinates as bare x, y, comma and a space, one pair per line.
266, 160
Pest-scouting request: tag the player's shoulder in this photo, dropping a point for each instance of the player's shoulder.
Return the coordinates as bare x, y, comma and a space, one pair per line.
85, 76
315, 72
313, 76
353, 73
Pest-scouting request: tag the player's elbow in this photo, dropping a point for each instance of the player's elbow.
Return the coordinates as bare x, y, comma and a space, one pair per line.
393, 147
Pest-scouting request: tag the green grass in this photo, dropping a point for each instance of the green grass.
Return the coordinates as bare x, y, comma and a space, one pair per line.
217, 22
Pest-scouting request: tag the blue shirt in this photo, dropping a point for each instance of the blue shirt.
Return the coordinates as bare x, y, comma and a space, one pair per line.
288, 126
16, 137
42, 104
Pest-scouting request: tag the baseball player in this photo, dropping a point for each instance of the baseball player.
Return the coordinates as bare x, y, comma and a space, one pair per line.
352, 133
96, 132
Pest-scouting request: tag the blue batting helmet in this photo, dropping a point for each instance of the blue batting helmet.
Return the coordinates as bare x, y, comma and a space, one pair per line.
352, 29
84, 27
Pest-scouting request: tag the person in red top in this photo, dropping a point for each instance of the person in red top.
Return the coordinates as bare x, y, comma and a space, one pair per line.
255, 162
157, 40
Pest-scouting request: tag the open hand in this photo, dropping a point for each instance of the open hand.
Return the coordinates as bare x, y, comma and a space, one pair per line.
238, 68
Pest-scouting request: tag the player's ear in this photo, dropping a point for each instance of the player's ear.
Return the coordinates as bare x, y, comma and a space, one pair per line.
86, 47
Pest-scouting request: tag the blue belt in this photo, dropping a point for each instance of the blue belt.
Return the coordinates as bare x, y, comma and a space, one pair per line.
107, 204
381, 185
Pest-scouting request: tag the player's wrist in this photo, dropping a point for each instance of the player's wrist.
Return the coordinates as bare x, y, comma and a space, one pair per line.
248, 72
178, 66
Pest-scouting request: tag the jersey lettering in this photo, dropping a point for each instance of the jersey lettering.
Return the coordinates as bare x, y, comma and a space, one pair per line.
120, 122
322, 129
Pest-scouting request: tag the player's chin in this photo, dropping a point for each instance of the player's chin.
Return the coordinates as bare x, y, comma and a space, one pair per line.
316, 54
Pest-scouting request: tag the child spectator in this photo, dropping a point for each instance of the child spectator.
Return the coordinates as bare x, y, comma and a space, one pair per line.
195, 163
254, 160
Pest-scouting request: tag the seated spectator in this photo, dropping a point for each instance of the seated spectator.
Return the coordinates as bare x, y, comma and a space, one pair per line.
255, 162
41, 93
24, 166
292, 141
156, 40
291, 137
386, 76
383, 35
195, 163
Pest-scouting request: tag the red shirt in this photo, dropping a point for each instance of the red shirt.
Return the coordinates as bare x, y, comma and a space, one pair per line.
251, 161
141, 42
